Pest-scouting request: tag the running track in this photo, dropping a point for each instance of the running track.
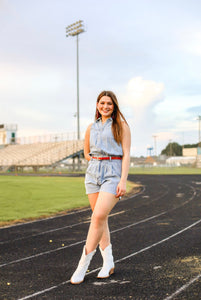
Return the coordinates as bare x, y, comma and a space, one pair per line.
156, 238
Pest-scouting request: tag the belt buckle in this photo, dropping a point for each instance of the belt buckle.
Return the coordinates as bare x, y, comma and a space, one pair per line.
99, 158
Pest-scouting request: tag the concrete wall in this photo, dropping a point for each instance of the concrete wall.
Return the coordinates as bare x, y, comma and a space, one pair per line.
180, 160
189, 152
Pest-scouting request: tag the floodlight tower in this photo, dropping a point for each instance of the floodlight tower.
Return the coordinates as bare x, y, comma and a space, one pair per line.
74, 30
199, 119
155, 136
170, 142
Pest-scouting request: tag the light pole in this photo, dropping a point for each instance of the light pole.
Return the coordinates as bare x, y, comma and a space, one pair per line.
155, 136
170, 147
72, 30
199, 119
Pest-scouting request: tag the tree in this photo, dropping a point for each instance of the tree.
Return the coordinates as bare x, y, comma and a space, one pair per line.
172, 149
191, 145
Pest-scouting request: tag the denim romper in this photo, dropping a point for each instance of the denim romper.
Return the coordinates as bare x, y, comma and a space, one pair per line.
103, 175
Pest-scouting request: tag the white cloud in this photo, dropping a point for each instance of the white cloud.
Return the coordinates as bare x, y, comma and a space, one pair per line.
32, 131
38, 69
34, 115
165, 136
23, 79
3, 5
191, 41
187, 125
141, 95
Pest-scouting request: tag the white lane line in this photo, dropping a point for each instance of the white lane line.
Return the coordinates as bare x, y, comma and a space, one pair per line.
77, 243
67, 214
184, 287
57, 229
74, 212
139, 222
122, 228
60, 228
161, 241
71, 245
117, 261
40, 254
112, 215
159, 196
44, 232
46, 219
76, 224
44, 291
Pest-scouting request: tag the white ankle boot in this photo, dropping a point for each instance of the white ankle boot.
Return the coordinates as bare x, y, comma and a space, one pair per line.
84, 262
108, 262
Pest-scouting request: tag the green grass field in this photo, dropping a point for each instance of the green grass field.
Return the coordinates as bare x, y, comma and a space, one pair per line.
165, 170
32, 197
29, 197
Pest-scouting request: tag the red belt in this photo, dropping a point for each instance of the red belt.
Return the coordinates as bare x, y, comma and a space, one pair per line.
107, 158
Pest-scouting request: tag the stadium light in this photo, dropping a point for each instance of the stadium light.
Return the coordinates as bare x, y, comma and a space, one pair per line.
155, 136
74, 30
199, 119
170, 142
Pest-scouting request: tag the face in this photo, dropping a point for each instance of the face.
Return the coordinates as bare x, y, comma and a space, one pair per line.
105, 106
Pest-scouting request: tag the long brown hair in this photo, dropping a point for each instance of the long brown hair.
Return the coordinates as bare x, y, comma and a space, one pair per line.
117, 116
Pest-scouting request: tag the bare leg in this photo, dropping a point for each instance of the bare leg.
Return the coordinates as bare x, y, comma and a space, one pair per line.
101, 203
105, 239
104, 204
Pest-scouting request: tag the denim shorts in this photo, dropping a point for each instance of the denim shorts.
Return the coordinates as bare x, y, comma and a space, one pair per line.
103, 176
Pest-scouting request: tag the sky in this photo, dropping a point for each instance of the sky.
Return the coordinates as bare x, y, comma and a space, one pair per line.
147, 52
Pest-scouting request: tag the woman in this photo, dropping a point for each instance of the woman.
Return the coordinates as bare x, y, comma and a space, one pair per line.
107, 148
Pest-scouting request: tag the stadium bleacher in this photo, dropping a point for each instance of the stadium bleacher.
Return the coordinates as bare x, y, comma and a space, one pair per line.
39, 154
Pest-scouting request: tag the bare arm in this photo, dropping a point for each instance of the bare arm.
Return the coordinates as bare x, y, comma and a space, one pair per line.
126, 144
87, 143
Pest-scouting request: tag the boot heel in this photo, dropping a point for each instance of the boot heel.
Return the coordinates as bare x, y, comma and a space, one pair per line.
79, 274
108, 262
107, 276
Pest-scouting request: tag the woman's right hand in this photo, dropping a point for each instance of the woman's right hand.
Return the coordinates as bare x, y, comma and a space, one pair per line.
87, 144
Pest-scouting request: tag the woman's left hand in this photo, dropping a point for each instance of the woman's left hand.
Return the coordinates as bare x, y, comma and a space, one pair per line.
121, 189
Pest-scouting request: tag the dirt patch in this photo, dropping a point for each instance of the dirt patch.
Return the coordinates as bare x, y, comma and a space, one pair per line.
193, 263
134, 188
184, 268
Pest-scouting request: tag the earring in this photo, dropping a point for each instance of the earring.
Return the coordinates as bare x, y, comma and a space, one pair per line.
113, 115
97, 114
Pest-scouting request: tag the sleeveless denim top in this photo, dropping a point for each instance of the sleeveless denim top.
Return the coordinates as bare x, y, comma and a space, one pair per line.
102, 142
